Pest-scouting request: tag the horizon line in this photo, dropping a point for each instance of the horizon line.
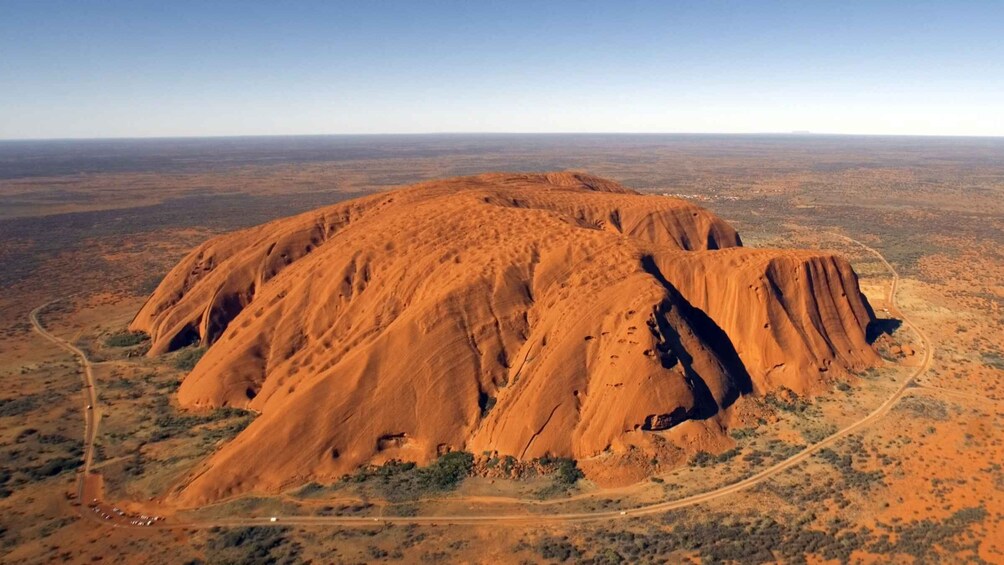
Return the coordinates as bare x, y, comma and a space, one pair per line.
795, 133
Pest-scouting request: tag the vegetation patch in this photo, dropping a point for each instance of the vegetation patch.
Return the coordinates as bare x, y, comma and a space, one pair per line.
564, 470
404, 480
786, 400
35, 457
187, 358
740, 434
727, 538
254, 544
927, 408
993, 359
126, 339
705, 459
170, 423
855, 478
920, 538
816, 434
17, 406
557, 549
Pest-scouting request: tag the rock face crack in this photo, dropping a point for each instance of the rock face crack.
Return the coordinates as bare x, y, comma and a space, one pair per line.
522, 454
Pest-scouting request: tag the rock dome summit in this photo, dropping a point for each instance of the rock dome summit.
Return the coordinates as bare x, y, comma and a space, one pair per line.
524, 314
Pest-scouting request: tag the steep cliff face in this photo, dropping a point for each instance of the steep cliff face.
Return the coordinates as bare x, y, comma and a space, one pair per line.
528, 314
792, 314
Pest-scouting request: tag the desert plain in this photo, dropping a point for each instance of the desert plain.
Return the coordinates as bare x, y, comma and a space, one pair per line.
110, 454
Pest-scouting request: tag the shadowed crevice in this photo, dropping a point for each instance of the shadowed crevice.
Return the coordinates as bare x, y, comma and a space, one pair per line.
879, 327
189, 335
708, 332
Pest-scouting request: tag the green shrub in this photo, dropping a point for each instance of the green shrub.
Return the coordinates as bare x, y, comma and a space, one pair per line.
252, 544
786, 400
558, 549
992, 359
231, 421
126, 339
403, 480
447, 472
565, 471
54, 467
817, 434
18, 406
187, 358
705, 459
743, 433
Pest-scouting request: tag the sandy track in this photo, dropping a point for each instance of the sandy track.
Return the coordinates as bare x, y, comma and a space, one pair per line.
92, 415
92, 419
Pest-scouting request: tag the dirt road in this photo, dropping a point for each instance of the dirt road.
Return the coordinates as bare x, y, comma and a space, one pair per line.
92, 412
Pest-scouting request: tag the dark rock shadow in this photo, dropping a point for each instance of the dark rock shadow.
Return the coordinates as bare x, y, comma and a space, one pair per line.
188, 335
708, 332
881, 326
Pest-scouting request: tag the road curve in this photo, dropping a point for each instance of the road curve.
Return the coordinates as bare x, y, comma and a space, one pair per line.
92, 418
92, 412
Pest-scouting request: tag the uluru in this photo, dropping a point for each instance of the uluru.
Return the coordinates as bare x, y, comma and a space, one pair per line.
525, 314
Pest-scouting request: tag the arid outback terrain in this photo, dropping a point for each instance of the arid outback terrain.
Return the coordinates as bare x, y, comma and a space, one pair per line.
698, 348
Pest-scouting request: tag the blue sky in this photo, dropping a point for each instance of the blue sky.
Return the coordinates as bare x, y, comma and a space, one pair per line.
137, 69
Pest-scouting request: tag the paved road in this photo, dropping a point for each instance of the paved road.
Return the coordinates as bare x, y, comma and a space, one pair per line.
92, 419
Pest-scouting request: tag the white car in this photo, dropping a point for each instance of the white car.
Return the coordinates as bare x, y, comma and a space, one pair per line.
273, 519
